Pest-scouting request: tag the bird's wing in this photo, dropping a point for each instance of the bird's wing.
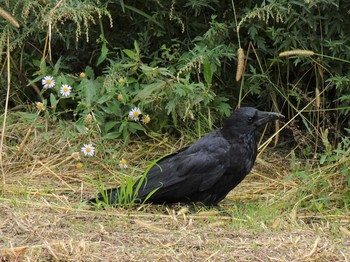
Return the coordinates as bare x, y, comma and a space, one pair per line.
194, 169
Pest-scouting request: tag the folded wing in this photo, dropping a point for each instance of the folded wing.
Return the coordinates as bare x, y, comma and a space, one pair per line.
195, 169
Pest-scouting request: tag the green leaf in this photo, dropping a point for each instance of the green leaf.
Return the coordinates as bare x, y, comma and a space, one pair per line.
57, 66
122, 126
112, 108
121, 2
109, 125
38, 78
148, 90
112, 135
28, 116
36, 62
89, 72
90, 92
323, 159
53, 100
81, 128
208, 74
133, 127
171, 105
103, 55
150, 18
104, 98
305, 122
131, 54
43, 67
224, 109
137, 48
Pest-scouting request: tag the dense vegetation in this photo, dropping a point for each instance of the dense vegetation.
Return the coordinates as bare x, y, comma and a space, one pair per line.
177, 61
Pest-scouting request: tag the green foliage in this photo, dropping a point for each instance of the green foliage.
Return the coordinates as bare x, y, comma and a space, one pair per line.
325, 184
65, 22
126, 196
129, 187
337, 160
186, 65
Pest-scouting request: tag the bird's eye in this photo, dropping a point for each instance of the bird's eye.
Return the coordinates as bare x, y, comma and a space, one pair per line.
250, 119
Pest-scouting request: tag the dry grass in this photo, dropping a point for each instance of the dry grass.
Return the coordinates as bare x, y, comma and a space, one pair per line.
42, 218
42, 231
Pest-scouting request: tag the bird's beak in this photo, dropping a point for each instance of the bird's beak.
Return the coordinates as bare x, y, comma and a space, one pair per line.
265, 117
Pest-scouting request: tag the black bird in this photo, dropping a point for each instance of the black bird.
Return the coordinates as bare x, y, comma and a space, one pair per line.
210, 168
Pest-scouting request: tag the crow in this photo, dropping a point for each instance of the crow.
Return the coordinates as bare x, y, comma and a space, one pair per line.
207, 170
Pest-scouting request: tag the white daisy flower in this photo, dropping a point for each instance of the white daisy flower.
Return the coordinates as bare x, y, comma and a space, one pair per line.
48, 82
146, 119
76, 155
135, 113
88, 117
88, 150
66, 90
40, 106
123, 164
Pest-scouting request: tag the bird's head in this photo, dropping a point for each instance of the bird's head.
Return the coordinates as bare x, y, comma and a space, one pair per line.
248, 119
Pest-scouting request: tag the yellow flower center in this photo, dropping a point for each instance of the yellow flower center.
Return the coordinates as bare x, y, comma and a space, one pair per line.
123, 161
40, 106
76, 155
48, 81
146, 119
135, 114
89, 117
79, 165
65, 89
88, 149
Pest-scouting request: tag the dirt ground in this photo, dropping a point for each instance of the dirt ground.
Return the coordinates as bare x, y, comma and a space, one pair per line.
41, 229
